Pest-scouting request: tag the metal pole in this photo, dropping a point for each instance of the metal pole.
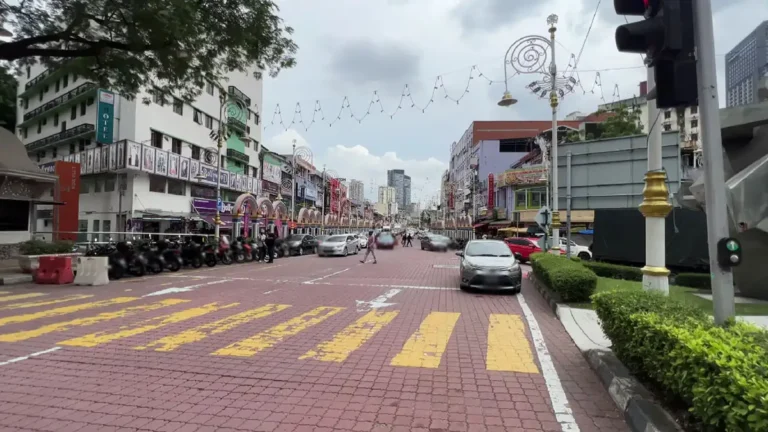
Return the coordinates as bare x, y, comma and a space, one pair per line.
714, 175
568, 205
220, 144
322, 208
553, 102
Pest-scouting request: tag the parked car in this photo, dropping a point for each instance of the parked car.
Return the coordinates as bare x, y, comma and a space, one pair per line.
582, 252
435, 243
385, 240
299, 244
489, 264
338, 245
522, 247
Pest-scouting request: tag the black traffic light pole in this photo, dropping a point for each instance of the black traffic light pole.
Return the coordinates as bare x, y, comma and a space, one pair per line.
712, 147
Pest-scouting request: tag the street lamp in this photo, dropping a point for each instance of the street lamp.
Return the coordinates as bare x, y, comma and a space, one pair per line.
529, 55
231, 106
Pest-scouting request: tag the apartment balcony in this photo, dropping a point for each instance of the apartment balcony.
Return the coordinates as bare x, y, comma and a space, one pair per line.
60, 103
235, 155
237, 93
37, 83
236, 125
57, 139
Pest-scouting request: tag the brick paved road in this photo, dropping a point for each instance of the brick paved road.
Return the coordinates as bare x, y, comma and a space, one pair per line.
305, 344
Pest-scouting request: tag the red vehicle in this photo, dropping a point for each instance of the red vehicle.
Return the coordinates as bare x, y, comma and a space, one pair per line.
522, 247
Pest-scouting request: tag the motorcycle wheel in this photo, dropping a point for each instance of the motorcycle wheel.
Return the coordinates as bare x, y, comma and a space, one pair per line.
197, 262
210, 260
155, 267
239, 257
115, 272
226, 259
174, 266
140, 270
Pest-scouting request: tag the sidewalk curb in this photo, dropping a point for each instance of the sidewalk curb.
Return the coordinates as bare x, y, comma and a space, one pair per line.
15, 279
641, 412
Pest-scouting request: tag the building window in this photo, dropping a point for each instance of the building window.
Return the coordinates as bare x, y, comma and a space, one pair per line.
537, 199
56, 119
90, 101
208, 87
39, 127
196, 152
85, 186
156, 183
73, 112
40, 155
82, 144
178, 106
41, 96
667, 127
26, 103
667, 115
57, 85
97, 185
82, 108
256, 118
694, 109
109, 184
28, 71
25, 132
157, 97
63, 126
54, 152
208, 121
198, 117
516, 145
694, 137
176, 187
65, 81
198, 191
694, 123
176, 146
157, 139
521, 199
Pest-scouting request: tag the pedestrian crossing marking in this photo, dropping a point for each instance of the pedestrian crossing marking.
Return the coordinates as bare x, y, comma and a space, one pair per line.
508, 347
170, 343
86, 321
63, 310
272, 336
46, 302
5, 299
426, 346
140, 327
351, 338
4, 292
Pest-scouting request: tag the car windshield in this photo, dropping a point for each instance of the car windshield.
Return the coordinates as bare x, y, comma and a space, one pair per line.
295, 237
439, 239
488, 249
337, 239
385, 236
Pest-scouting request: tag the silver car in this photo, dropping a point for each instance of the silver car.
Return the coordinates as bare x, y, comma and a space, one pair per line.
341, 245
489, 264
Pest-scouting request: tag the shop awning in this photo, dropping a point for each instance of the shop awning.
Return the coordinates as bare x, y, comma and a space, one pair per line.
500, 223
156, 214
480, 225
15, 162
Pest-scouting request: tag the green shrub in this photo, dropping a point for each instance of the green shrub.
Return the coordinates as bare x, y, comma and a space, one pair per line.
40, 247
569, 279
614, 271
719, 373
694, 280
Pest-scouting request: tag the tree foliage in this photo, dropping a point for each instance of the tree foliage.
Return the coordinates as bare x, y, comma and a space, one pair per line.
621, 122
8, 85
126, 45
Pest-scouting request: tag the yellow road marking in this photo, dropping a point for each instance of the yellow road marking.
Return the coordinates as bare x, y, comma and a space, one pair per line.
138, 328
63, 310
272, 336
81, 322
508, 347
20, 297
425, 348
4, 292
351, 338
170, 343
46, 302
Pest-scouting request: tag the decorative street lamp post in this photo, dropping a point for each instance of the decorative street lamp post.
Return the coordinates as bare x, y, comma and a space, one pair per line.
529, 55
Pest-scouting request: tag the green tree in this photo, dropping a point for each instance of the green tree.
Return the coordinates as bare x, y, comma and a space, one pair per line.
623, 122
127, 45
8, 85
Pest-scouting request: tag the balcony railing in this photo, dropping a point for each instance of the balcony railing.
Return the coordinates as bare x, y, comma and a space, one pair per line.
236, 124
238, 156
66, 135
38, 79
235, 92
59, 101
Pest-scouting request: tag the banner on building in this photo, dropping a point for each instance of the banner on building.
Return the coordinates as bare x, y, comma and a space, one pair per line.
522, 176
491, 191
271, 170
105, 121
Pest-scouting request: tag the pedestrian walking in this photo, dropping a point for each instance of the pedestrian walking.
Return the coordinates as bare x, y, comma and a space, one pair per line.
270, 242
410, 240
369, 248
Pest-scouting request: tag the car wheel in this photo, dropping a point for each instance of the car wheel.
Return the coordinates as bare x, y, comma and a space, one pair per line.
346, 252
584, 256
301, 251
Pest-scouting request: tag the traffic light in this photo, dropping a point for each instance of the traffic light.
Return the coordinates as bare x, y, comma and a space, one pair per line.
728, 252
666, 37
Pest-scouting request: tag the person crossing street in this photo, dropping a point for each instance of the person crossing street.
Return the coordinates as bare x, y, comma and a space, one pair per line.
370, 245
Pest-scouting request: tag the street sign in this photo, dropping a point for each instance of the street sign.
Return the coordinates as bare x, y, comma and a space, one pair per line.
219, 204
544, 218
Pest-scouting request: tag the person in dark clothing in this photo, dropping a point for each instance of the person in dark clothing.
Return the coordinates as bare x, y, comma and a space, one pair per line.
270, 242
409, 236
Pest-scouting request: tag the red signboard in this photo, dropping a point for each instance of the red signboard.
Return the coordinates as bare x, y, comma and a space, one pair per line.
67, 191
335, 185
491, 191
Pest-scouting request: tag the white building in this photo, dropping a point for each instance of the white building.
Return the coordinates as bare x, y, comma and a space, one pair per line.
387, 194
387, 209
460, 174
152, 148
356, 191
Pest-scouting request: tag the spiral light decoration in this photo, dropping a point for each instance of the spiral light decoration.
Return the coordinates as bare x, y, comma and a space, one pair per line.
304, 154
331, 175
528, 54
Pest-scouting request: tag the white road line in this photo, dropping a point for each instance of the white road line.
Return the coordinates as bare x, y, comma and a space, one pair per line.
560, 405
18, 359
174, 290
378, 302
310, 282
270, 292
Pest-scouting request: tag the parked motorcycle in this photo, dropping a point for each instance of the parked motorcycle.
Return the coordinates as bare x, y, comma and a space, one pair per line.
156, 261
171, 255
239, 252
192, 253
136, 262
224, 251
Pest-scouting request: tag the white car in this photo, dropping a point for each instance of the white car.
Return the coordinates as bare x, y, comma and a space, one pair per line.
362, 241
341, 244
582, 252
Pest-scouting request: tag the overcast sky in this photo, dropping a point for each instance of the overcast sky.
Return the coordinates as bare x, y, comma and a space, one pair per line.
352, 52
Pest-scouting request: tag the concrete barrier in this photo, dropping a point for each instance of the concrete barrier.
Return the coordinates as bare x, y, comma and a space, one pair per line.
92, 271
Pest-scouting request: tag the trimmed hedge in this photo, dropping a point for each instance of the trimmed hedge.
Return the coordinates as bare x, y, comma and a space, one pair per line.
614, 271
40, 247
569, 279
694, 280
719, 373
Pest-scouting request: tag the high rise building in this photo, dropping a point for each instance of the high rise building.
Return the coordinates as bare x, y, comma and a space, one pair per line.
402, 184
746, 67
356, 191
387, 195
147, 164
